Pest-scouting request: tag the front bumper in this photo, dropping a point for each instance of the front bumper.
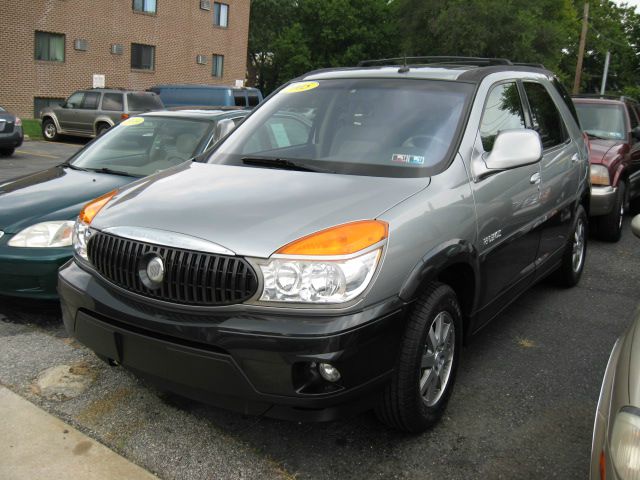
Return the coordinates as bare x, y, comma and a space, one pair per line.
603, 200
254, 362
13, 139
30, 272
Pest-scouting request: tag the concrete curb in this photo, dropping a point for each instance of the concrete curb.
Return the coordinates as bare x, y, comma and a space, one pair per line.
35, 445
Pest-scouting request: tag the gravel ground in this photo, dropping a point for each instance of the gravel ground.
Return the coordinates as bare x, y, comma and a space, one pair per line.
523, 405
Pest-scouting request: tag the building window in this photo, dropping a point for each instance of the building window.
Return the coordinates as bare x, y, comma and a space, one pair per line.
40, 103
146, 6
143, 56
220, 14
218, 65
50, 46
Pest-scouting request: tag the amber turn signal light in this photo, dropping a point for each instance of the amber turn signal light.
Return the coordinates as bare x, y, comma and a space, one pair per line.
91, 209
339, 240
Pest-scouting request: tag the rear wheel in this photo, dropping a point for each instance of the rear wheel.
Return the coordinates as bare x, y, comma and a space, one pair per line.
609, 227
49, 130
575, 252
416, 397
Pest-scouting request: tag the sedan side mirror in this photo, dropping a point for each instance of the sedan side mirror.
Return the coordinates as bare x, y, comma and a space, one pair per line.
635, 226
224, 128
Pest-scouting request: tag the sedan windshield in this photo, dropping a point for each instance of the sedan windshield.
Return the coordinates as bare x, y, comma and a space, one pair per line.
601, 120
141, 146
378, 127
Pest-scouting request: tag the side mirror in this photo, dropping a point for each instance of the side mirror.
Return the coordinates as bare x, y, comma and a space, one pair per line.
635, 133
224, 128
635, 226
68, 105
514, 148
511, 149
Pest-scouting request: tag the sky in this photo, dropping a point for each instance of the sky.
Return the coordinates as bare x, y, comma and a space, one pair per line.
634, 3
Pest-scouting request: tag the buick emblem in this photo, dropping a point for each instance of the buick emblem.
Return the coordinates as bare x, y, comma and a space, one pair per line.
151, 270
155, 270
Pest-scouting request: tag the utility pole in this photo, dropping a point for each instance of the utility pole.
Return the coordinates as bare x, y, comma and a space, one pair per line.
583, 41
606, 72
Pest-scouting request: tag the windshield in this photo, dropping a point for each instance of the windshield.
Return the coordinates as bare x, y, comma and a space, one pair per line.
378, 127
143, 101
141, 146
601, 120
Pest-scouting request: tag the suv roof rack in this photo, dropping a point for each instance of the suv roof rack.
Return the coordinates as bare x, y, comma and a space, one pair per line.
430, 60
527, 64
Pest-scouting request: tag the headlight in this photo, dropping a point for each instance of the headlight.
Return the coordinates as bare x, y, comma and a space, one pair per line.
316, 281
625, 443
81, 230
43, 235
325, 267
599, 175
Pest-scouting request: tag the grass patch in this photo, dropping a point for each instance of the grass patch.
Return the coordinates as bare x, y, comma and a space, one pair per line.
32, 128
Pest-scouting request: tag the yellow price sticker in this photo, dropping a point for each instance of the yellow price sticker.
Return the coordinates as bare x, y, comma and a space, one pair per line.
133, 121
301, 87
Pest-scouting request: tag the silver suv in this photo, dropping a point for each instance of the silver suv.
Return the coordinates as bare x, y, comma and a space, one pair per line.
333, 253
90, 113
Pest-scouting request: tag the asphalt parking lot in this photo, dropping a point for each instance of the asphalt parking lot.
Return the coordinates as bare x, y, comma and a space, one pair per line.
34, 156
523, 405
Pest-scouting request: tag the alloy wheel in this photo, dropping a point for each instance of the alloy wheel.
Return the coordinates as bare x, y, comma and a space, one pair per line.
437, 359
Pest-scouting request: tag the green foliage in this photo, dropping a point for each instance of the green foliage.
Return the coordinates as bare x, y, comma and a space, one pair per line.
290, 37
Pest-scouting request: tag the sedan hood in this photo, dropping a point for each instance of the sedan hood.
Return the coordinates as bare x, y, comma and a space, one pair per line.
251, 211
600, 148
55, 194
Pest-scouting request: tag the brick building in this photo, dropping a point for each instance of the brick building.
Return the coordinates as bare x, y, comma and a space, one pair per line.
51, 48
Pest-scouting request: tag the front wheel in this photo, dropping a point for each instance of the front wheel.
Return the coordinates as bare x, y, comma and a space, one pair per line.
609, 227
7, 152
575, 252
416, 396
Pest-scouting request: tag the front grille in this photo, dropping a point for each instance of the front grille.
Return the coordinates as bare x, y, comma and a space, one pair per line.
191, 278
6, 127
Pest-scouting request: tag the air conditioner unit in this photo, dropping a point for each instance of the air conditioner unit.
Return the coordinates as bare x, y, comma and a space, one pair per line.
81, 44
205, 4
117, 49
201, 59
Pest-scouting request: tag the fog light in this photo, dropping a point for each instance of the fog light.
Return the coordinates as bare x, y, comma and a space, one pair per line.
329, 372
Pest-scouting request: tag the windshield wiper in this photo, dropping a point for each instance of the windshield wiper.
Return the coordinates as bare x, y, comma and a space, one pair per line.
283, 164
73, 167
111, 171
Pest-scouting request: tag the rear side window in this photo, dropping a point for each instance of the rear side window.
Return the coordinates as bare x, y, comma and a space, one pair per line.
545, 117
112, 102
140, 102
567, 99
254, 99
90, 101
503, 111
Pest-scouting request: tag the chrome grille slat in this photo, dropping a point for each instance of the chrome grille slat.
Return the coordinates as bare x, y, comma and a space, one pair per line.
191, 278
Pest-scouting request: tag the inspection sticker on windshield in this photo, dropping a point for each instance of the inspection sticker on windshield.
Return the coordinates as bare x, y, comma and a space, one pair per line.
133, 121
301, 87
410, 159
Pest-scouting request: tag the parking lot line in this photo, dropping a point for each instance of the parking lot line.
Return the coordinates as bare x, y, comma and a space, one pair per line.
29, 152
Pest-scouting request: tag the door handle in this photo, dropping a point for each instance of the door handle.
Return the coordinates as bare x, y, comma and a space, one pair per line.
575, 158
535, 178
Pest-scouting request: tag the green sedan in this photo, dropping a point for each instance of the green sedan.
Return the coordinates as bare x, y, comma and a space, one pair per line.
37, 212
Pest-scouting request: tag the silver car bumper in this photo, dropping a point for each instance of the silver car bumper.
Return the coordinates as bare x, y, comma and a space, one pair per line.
602, 200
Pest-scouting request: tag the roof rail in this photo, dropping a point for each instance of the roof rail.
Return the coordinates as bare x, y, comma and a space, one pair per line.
527, 64
430, 60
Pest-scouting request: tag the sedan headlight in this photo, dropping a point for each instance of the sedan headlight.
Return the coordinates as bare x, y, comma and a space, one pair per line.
332, 266
43, 235
625, 443
599, 175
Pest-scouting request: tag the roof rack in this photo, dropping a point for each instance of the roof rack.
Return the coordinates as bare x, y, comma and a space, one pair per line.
430, 60
527, 64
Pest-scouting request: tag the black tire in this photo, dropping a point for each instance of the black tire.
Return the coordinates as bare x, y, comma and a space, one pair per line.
403, 406
49, 130
102, 129
7, 152
570, 271
609, 227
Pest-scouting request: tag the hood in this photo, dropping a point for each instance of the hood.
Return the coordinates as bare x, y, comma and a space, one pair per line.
55, 194
251, 211
602, 150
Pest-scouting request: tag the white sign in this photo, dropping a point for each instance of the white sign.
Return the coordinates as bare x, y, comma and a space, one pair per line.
98, 80
239, 83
